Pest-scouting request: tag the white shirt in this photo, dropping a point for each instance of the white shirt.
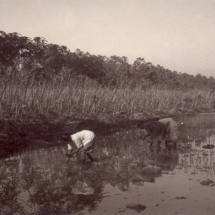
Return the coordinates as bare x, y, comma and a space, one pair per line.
82, 138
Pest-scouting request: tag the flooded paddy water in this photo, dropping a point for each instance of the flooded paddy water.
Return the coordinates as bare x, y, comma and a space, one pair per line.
129, 177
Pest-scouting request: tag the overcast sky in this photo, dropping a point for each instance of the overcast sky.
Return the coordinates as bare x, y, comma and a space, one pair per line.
176, 34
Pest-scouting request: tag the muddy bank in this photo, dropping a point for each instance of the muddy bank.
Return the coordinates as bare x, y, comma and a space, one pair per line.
41, 131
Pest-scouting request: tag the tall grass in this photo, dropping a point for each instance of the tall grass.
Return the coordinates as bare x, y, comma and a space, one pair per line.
82, 97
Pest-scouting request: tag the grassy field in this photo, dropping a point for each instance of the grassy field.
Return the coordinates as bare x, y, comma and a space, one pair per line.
85, 98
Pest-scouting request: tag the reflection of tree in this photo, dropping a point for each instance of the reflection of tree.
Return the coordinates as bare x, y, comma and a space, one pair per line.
8, 196
54, 187
49, 190
56, 196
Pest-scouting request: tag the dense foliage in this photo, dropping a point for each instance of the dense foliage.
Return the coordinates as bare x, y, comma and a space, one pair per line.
37, 59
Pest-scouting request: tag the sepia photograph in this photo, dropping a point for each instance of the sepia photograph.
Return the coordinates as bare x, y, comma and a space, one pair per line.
107, 107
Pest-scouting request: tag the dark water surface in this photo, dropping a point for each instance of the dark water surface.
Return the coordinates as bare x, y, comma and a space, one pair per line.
130, 176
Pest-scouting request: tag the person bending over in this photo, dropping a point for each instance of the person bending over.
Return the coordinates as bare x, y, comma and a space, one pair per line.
82, 144
155, 131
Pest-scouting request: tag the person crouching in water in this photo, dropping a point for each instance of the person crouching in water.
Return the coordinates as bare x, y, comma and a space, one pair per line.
155, 131
83, 142
164, 129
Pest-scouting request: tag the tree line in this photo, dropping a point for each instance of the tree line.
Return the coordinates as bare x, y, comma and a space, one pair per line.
39, 60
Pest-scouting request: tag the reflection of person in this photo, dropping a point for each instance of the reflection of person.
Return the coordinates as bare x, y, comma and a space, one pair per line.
84, 142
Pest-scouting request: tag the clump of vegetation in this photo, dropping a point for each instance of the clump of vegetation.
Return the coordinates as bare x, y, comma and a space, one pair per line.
83, 97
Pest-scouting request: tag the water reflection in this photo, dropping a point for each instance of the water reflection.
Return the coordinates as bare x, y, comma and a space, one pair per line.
40, 181
196, 128
198, 158
50, 186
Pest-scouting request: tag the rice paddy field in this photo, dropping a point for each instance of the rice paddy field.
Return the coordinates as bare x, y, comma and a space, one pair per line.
129, 177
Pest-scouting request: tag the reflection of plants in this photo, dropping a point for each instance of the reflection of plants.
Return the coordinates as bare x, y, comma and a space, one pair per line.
61, 200
48, 200
198, 159
55, 187
9, 197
